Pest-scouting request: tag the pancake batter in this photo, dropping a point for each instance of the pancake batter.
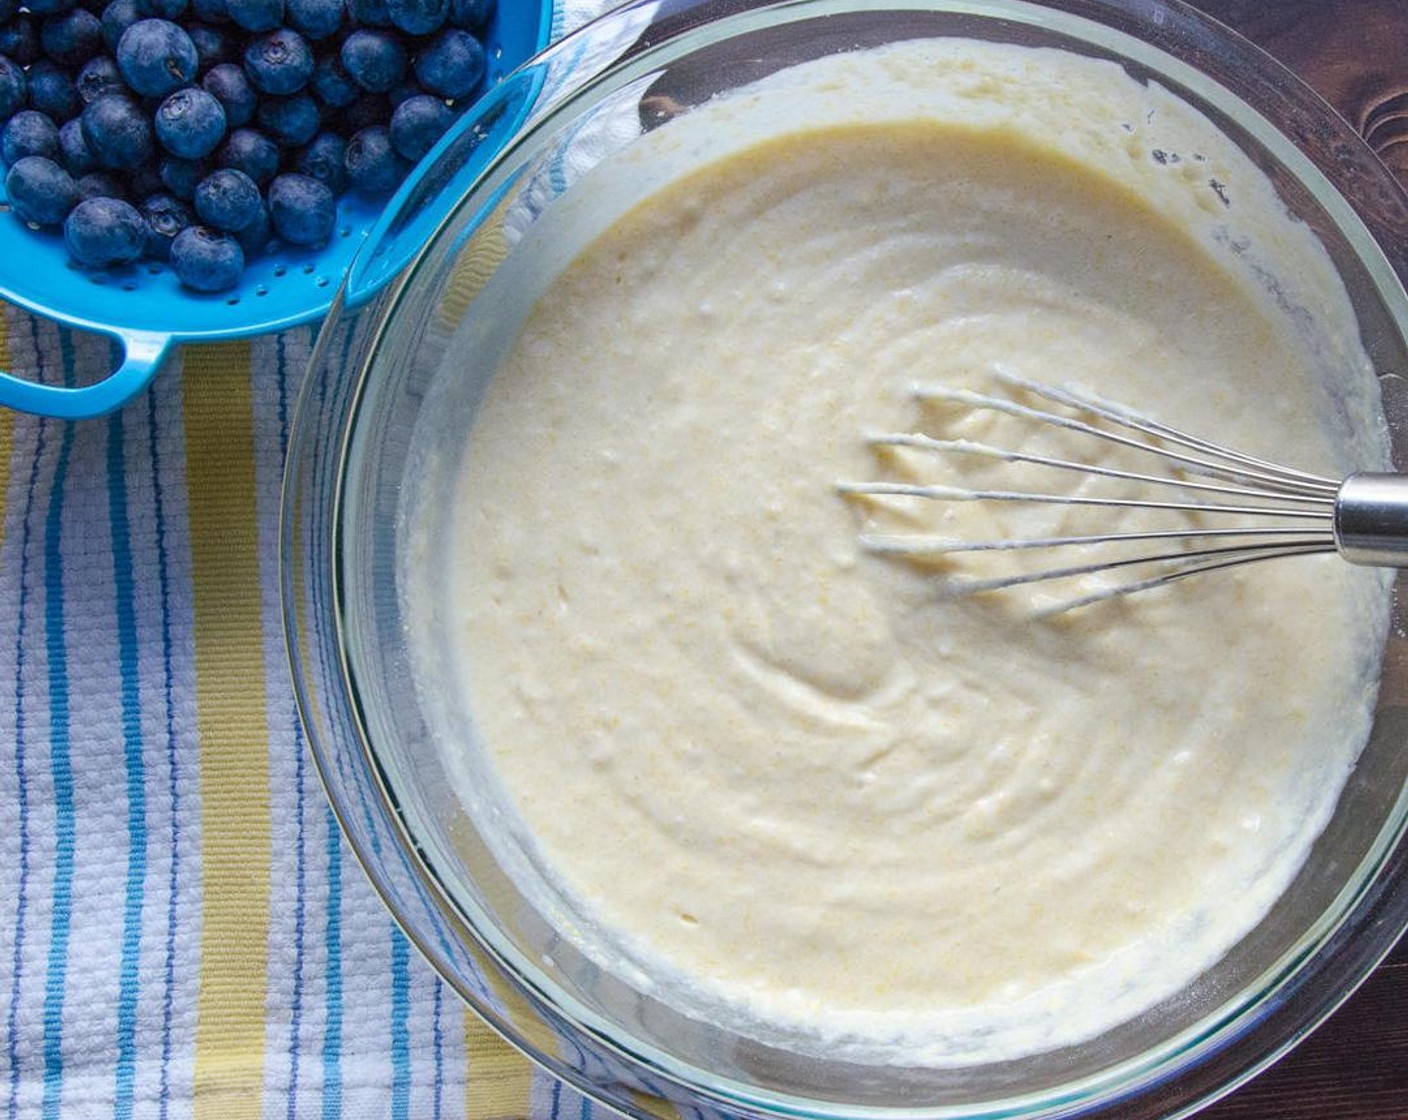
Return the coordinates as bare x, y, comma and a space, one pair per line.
798, 788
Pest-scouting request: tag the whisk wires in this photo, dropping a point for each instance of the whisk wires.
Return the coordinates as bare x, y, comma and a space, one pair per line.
1281, 511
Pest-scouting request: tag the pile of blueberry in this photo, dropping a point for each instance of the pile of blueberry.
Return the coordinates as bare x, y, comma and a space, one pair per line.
198, 132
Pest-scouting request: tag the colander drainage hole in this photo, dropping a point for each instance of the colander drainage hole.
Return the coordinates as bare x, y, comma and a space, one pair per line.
322, 281
345, 231
232, 301
307, 270
128, 286
261, 290
154, 269
279, 270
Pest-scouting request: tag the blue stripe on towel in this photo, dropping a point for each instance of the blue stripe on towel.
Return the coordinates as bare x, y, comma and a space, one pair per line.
341, 388
332, 1030
59, 765
132, 749
173, 763
21, 778
300, 873
438, 1036
400, 1032
354, 776
295, 1028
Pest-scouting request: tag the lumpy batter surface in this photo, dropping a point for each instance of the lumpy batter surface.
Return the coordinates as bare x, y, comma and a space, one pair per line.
795, 783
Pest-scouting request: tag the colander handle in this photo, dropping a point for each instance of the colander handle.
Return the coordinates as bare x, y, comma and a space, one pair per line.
143, 353
437, 184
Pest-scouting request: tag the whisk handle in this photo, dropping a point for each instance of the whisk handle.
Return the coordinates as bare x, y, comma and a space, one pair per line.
1371, 520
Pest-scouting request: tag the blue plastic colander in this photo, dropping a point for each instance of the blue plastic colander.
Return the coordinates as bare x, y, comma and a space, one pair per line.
146, 309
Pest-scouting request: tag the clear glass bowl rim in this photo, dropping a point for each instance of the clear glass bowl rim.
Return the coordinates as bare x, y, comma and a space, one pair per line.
1206, 1064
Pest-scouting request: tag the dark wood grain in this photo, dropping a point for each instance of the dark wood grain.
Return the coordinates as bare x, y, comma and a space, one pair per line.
1355, 54
1354, 1067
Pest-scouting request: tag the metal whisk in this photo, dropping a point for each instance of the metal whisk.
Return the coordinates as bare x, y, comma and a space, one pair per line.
1275, 511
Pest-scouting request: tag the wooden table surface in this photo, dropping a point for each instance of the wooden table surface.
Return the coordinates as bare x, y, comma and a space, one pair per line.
1355, 54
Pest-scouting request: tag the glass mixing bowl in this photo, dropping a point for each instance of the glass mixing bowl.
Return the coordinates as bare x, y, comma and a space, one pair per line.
352, 470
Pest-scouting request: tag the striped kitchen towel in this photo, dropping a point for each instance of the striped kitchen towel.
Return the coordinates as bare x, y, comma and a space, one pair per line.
185, 932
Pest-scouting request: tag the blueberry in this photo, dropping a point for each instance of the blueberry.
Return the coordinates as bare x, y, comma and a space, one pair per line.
406, 90
52, 92
29, 133
451, 64
256, 15
417, 123
289, 121
368, 110
206, 259
331, 84
104, 231
165, 218
470, 14
302, 210
316, 19
19, 39
373, 166
369, 13
71, 38
119, 134
418, 17
210, 11
40, 191
74, 153
14, 88
156, 57
49, 7
97, 78
144, 180
100, 184
323, 159
118, 16
250, 151
375, 60
212, 46
180, 176
230, 86
190, 123
279, 62
163, 9
227, 199
255, 237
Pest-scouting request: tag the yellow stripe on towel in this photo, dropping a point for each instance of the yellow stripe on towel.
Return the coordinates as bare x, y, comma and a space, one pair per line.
475, 265
234, 739
499, 1084
656, 1106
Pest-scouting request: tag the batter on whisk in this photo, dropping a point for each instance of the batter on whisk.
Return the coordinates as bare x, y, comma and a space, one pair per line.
792, 785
